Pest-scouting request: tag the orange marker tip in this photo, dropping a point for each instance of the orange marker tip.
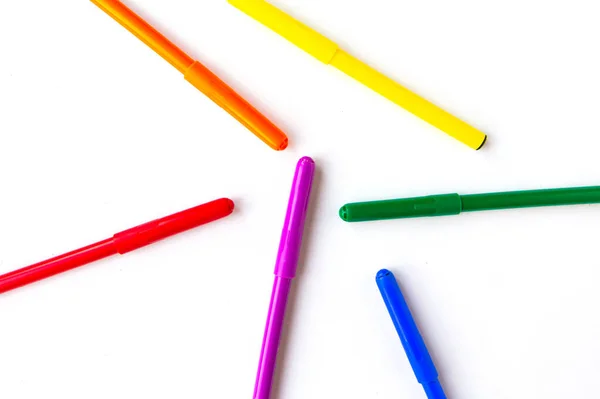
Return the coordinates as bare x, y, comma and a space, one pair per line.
284, 145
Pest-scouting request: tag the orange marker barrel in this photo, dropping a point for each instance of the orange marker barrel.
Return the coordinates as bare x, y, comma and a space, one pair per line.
197, 74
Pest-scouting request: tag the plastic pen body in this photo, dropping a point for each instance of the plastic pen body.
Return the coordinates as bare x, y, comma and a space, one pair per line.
273, 329
285, 271
120, 243
197, 74
328, 52
56, 265
146, 33
530, 198
409, 334
454, 204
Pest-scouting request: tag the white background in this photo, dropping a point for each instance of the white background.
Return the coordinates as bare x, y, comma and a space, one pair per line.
99, 134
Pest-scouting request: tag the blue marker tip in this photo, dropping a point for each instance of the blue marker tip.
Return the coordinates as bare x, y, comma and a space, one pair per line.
411, 338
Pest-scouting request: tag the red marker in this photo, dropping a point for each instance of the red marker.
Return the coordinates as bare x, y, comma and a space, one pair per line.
120, 243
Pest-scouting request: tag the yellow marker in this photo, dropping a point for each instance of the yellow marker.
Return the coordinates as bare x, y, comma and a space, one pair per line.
328, 52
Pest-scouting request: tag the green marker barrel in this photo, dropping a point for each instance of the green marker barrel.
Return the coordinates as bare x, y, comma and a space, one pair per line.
454, 204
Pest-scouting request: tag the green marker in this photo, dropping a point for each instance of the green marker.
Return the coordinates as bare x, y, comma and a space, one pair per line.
453, 204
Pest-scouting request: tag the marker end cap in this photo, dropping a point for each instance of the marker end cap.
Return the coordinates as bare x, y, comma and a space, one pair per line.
305, 161
344, 213
482, 143
283, 145
383, 273
230, 204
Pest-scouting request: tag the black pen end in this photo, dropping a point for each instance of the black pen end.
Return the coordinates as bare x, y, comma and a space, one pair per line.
482, 143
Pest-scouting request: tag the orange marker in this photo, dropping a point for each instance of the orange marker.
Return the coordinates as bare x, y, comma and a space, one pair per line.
197, 74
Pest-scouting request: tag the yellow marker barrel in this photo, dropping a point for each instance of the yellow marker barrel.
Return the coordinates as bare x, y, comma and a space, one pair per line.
295, 31
329, 52
409, 100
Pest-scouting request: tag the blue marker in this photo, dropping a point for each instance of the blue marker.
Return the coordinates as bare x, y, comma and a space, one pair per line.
415, 348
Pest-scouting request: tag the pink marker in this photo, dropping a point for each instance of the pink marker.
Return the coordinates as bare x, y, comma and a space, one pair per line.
285, 271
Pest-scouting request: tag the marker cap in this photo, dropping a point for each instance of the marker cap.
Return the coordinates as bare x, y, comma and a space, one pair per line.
224, 96
433, 205
293, 227
408, 332
159, 229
